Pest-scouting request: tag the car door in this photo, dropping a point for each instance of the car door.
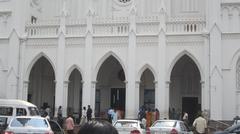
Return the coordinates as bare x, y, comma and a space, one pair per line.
56, 127
183, 128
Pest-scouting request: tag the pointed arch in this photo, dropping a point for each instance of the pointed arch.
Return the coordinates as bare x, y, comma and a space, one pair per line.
235, 59
68, 73
145, 67
34, 60
181, 54
105, 57
1, 65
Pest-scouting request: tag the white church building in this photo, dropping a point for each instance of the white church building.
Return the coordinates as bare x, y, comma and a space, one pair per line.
165, 54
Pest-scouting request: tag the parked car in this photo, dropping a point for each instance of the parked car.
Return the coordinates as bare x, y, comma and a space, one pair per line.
129, 127
169, 126
28, 124
235, 129
12, 107
56, 128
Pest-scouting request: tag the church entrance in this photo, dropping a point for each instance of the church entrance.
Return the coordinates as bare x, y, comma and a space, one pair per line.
185, 89
118, 98
190, 105
110, 88
41, 90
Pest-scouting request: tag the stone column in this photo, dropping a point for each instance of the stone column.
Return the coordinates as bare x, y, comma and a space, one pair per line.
93, 98
65, 98
25, 90
137, 96
166, 112
130, 87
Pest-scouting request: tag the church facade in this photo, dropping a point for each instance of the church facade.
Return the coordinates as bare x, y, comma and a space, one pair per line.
165, 54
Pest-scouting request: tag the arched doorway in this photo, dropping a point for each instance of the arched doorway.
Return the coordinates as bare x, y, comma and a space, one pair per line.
110, 87
147, 90
41, 91
75, 94
185, 89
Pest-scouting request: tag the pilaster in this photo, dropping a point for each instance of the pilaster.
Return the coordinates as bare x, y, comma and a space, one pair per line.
215, 47
22, 94
130, 98
161, 93
87, 93
13, 66
206, 95
59, 88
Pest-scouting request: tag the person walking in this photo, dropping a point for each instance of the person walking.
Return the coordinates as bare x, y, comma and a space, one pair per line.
89, 113
200, 124
69, 124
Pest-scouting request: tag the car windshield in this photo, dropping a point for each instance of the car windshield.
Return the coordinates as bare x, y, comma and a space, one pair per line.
126, 124
29, 122
6, 111
164, 124
232, 128
33, 111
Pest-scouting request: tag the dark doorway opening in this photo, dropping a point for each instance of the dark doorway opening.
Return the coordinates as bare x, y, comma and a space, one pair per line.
191, 106
118, 98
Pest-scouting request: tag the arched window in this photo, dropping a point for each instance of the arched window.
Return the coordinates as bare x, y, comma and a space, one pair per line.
238, 87
124, 1
238, 75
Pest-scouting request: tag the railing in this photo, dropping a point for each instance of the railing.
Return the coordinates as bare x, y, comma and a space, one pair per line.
111, 26
179, 25
75, 27
147, 25
215, 125
117, 26
43, 28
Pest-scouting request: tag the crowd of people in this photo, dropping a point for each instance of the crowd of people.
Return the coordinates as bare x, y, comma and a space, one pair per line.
148, 115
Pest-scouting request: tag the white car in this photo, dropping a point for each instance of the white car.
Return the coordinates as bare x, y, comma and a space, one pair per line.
28, 125
169, 127
129, 127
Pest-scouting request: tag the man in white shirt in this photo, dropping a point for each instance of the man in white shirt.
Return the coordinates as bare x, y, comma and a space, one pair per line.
200, 124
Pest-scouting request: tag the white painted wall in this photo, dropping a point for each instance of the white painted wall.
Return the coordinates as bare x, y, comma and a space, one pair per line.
223, 28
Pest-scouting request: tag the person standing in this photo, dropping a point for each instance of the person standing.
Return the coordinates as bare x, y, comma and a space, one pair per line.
200, 124
84, 116
185, 118
157, 114
114, 116
59, 113
89, 113
69, 125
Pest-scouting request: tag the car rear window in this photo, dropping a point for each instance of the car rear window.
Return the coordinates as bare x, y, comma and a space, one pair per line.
126, 124
33, 111
164, 124
29, 122
6, 111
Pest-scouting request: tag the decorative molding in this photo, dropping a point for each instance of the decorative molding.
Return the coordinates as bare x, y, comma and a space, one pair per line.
228, 36
4, 0
4, 41
117, 41
147, 41
185, 40
42, 42
4, 15
75, 41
